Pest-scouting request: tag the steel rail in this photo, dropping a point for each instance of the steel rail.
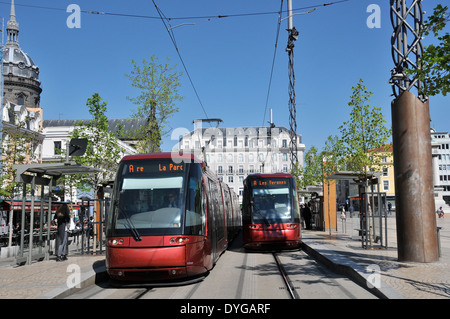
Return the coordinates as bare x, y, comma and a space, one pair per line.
287, 281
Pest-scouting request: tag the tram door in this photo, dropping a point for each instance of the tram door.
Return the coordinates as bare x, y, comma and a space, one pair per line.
212, 218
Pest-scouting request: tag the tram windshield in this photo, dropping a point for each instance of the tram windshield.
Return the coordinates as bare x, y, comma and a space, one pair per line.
273, 201
148, 198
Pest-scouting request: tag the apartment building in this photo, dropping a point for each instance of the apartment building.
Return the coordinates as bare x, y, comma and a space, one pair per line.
235, 152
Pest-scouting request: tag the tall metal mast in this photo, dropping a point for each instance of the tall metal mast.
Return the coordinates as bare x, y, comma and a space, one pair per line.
293, 35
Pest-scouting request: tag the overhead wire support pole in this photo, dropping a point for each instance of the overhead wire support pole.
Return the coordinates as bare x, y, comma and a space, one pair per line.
293, 35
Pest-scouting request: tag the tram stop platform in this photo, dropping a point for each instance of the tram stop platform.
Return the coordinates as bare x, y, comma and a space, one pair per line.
340, 250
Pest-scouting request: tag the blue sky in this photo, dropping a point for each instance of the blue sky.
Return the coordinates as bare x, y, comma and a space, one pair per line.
228, 59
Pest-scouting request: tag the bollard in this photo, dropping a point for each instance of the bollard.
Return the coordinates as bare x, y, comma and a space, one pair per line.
439, 240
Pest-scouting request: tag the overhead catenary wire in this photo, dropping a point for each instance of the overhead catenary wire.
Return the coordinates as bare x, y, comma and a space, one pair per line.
273, 62
140, 16
172, 37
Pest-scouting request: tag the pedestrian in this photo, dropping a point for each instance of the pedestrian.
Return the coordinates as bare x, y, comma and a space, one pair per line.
302, 215
389, 207
307, 216
63, 218
440, 212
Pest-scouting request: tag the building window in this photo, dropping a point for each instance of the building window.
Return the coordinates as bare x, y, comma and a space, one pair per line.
386, 185
251, 169
285, 157
261, 157
241, 169
219, 158
219, 170
230, 179
385, 171
241, 158
230, 169
57, 147
284, 143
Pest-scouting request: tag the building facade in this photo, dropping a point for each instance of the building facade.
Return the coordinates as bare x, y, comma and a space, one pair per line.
235, 152
440, 142
57, 135
21, 74
20, 112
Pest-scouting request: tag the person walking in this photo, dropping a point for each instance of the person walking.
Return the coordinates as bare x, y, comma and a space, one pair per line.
307, 216
440, 212
63, 218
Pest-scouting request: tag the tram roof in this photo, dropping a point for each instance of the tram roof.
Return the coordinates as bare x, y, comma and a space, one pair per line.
166, 155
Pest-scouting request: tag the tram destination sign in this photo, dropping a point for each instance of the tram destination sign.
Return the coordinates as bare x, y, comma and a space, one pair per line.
153, 166
269, 182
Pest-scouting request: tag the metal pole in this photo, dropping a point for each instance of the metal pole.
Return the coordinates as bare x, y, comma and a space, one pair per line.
30, 251
22, 222
414, 189
49, 216
41, 219
290, 18
415, 214
293, 34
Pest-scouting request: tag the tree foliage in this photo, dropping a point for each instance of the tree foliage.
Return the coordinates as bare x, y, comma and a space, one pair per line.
102, 151
350, 150
364, 131
18, 146
434, 66
158, 85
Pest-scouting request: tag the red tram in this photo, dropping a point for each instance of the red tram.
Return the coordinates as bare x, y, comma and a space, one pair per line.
170, 220
270, 212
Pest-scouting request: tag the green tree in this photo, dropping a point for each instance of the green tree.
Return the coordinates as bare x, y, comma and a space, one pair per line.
434, 66
159, 85
18, 146
102, 151
364, 131
311, 173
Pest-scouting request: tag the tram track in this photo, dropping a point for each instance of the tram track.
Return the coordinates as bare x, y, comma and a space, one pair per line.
289, 285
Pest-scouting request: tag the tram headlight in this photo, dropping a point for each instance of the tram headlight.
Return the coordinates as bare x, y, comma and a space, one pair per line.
115, 242
179, 240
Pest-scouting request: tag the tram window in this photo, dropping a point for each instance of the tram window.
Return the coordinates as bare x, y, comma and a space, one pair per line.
194, 220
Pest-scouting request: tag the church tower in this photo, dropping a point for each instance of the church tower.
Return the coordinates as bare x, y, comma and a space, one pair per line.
21, 75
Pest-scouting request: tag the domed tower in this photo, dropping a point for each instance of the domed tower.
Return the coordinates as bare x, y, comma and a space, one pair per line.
21, 75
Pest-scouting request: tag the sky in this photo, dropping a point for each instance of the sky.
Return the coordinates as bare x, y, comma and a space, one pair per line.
229, 60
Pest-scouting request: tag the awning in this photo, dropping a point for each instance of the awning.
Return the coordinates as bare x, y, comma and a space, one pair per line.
357, 177
55, 170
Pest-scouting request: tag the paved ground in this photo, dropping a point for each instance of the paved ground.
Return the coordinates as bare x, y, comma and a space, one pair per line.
341, 250
410, 280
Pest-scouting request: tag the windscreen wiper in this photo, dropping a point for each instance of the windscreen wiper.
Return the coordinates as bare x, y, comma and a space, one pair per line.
266, 222
131, 226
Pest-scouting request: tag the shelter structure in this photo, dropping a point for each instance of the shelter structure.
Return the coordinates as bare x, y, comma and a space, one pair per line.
43, 175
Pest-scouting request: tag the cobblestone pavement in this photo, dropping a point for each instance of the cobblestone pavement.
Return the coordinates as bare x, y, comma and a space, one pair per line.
44, 279
411, 280
49, 279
